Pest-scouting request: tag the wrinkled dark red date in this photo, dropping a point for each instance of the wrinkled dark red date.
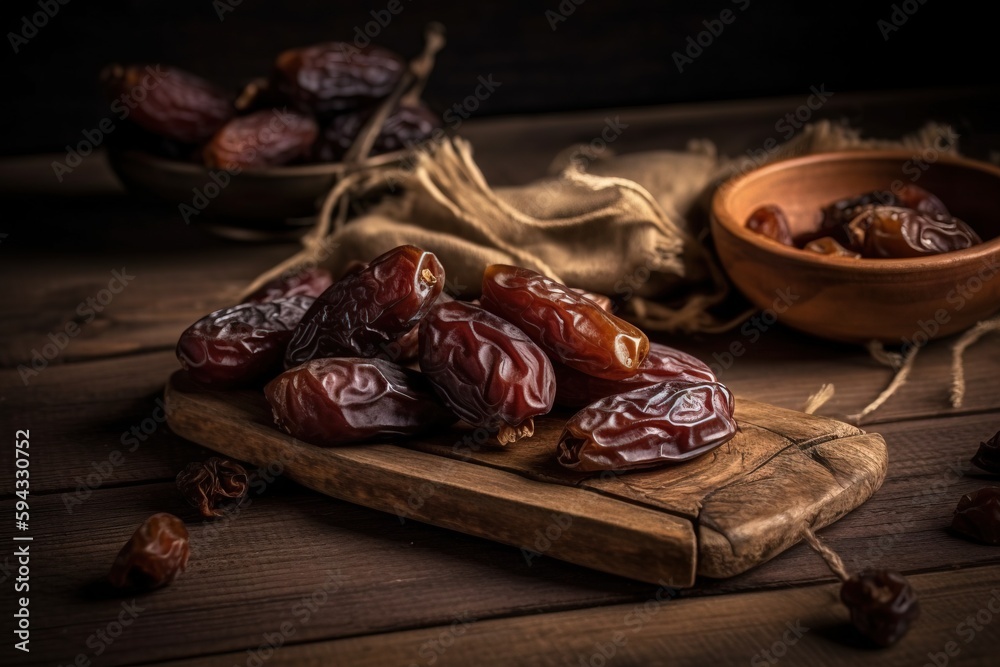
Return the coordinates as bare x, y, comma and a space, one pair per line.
335, 76
576, 390
169, 102
988, 455
882, 603
309, 282
915, 197
342, 400
154, 556
405, 127
486, 369
366, 311
892, 231
242, 344
262, 139
572, 329
829, 246
978, 515
770, 221
213, 484
651, 426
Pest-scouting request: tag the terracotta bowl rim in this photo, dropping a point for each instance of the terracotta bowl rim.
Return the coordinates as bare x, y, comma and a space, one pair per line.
721, 215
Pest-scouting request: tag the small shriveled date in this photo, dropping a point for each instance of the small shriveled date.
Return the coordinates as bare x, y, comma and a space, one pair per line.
366, 311
169, 102
651, 426
308, 282
892, 231
988, 455
882, 603
486, 369
978, 515
571, 328
576, 390
242, 344
213, 484
342, 400
334, 76
407, 126
770, 221
262, 139
829, 246
154, 556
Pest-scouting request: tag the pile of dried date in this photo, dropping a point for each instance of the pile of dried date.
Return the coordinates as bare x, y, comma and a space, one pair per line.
310, 109
906, 222
530, 343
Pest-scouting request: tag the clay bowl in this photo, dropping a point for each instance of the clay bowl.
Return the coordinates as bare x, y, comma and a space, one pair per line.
899, 301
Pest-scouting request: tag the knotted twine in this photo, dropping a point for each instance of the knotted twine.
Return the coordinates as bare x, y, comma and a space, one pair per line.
630, 227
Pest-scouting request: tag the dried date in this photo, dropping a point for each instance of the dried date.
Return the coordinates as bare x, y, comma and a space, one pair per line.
154, 556
169, 102
915, 197
988, 455
212, 485
242, 344
571, 328
342, 400
334, 76
575, 389
262, 139
486, 369
829, 246
405, 127
892, 231
978, 516
364, 312
770, 221
651, 426
309, 282
882, 604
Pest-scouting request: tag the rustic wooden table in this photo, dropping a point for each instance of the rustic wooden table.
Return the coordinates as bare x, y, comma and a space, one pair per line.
333, 583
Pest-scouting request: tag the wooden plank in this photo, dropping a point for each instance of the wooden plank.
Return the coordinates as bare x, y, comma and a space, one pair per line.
250, 569
783, 481
802, 626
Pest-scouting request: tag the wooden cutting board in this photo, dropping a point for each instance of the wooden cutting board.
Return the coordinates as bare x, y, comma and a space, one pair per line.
715, 516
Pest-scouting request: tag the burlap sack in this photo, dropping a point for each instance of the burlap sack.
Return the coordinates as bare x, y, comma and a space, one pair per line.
630, 227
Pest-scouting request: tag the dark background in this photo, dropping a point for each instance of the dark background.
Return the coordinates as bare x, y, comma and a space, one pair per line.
607, 53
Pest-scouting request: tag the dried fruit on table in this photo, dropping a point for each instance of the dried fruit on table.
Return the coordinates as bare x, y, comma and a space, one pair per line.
770, 221
262, 139
213, 484
652, 426
572, 329
891, 231
486, 369
169, 102
342, 400
988, 455
154, 556
242, 344
882, 603
365, 312
663, 363
334, 76
829, 246
978, 515
405, 127
308, 282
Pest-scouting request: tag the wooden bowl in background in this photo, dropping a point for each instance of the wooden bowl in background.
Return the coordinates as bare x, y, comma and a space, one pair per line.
900, 301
